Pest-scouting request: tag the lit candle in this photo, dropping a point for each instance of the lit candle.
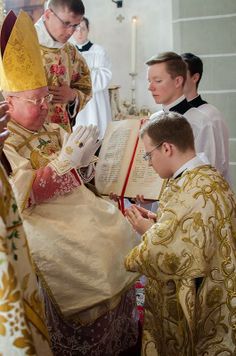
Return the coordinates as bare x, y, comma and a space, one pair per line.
133, 44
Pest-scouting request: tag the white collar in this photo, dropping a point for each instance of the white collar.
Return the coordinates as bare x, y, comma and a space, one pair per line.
80, 46
192, 163
167, 108
44, 37
195, 97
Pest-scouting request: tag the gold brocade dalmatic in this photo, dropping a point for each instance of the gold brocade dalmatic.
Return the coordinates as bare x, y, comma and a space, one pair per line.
22, 328
189, 258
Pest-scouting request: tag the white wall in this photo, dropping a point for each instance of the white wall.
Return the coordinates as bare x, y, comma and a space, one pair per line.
154, 35
215, 22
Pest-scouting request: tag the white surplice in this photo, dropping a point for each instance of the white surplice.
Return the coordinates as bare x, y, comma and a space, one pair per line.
207, 132
98, 110
221, 138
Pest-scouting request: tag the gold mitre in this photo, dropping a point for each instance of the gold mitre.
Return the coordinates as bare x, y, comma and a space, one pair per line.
21, 66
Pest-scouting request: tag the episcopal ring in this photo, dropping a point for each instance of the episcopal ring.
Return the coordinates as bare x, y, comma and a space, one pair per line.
80, 144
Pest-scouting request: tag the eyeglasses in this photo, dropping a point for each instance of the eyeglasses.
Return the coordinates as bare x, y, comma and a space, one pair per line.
148, 155
46, 99
65, 23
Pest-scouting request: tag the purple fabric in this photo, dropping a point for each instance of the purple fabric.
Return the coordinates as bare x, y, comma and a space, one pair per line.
115, 333
7, 27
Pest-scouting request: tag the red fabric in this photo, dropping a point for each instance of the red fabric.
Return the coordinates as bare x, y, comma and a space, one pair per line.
127, 177
121, 200
140, 296
48, 184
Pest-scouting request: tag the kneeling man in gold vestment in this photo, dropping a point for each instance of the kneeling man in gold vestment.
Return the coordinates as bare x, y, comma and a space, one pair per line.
187, 250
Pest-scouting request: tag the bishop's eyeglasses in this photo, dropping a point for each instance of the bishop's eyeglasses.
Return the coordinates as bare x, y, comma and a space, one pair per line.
148, 155
45, 99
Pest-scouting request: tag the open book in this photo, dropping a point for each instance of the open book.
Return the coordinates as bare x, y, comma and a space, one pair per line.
121, 168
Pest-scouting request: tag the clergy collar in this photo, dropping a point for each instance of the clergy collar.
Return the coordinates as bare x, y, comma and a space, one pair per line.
180, 106
197, 101
84, 47
44, 37
192, 163
81, 45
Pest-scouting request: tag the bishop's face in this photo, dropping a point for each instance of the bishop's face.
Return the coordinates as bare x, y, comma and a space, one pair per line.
165, 89
29, 108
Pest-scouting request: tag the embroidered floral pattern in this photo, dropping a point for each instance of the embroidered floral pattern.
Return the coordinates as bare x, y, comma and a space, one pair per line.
110, 334
65, 65
18, 287
56, 185
57, 69
189, 258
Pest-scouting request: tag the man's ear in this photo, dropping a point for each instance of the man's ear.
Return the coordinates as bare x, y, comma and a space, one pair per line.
179, 81
47, 14
167, 148
195, 77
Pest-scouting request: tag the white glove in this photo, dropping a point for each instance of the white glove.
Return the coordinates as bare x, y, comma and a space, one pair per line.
92, 145
73, 149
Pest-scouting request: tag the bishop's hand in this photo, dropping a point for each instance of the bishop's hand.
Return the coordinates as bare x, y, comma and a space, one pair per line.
77, 149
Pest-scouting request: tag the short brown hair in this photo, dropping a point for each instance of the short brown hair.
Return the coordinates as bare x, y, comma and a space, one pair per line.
170, 127
175, 64
75, 6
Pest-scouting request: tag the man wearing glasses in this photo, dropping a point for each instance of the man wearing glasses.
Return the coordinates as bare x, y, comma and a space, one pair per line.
88, 295
67, 73
187, 249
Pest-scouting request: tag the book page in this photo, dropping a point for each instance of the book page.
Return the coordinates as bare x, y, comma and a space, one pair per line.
115, 155
143, 179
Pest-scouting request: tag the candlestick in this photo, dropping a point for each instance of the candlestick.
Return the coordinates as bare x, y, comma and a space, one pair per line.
133, 44
133, 109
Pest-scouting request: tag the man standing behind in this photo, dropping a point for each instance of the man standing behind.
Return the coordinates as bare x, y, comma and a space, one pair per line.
194, 75
67, 73
98, 110
167, 75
